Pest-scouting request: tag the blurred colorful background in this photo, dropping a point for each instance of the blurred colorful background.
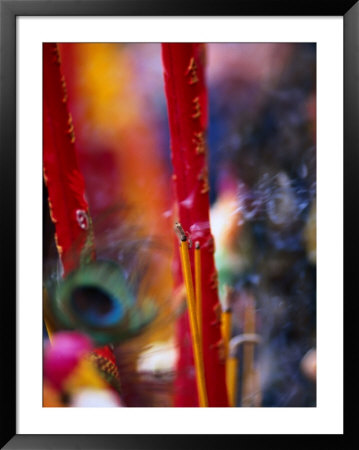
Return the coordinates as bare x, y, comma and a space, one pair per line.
262, 175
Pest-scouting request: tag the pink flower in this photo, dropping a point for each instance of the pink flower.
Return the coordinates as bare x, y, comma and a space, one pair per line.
63, 355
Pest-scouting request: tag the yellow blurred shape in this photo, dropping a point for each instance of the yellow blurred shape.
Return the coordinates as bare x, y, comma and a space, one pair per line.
85, 375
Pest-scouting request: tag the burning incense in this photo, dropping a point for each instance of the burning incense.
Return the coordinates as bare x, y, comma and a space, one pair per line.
196, 340
186, 95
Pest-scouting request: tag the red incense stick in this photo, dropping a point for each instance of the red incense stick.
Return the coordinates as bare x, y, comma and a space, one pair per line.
64, 181
187, 110
66, 187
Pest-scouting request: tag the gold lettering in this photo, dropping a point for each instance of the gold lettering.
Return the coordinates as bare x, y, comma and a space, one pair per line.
200, 142
197, 108
203, 176
64, 90
192, 72
70, 129
57, 57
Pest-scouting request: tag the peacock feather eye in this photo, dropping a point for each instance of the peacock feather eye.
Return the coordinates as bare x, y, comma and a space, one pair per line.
97, 299
96, 306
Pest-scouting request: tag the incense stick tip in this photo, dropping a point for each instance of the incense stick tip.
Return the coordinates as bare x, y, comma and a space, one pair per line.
180, 232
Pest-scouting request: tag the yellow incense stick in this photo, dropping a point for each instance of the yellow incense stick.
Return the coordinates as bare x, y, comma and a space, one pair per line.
231, 378
226, 318
197, 276
49, 330
226, 328
186, 268
231, 365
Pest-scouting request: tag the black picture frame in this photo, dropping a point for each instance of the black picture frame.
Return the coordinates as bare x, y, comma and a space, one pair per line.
9, 10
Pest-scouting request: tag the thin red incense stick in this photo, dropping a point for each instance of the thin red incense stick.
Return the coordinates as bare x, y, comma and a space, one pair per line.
187, 110
64, 181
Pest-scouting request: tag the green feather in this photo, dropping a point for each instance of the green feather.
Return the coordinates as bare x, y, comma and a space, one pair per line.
98, 300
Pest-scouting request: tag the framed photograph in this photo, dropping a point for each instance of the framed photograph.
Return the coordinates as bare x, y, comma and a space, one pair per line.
173, 205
